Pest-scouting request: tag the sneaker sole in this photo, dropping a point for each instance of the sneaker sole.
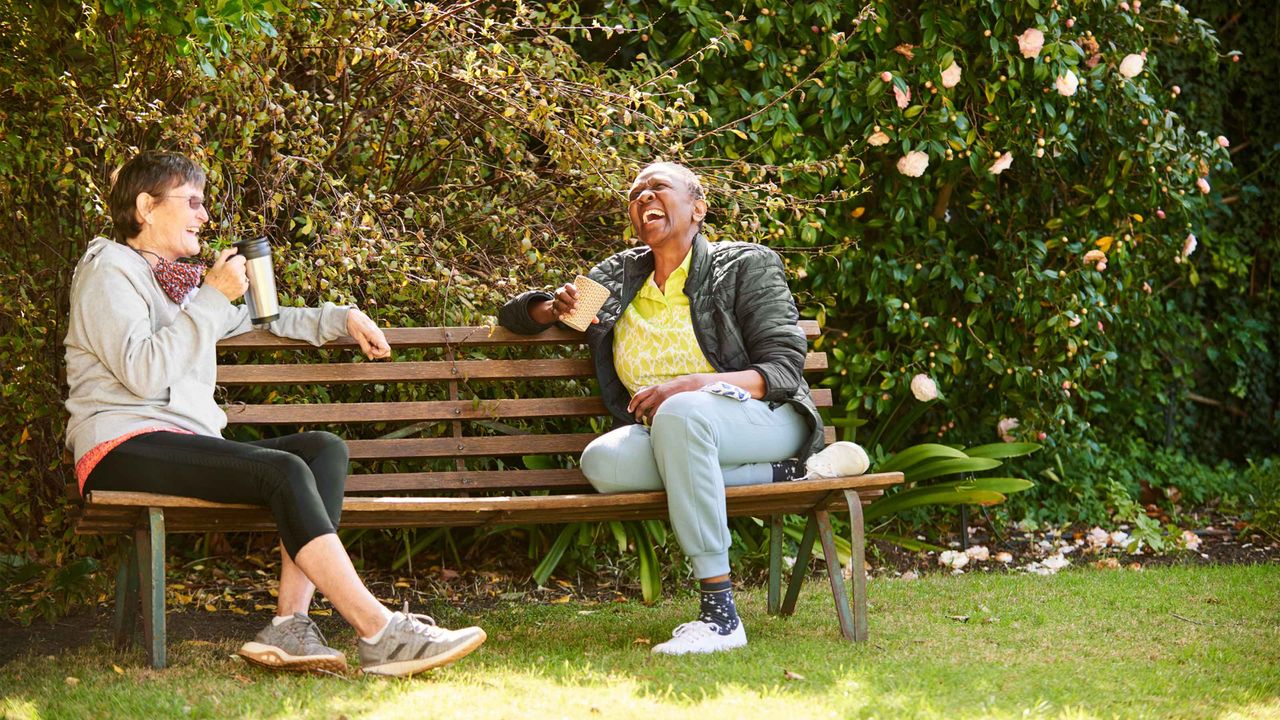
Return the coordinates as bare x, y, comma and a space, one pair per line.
405, 668
269, 656
702, 651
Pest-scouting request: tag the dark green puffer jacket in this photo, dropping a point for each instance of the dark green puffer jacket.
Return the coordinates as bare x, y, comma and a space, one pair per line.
743, 313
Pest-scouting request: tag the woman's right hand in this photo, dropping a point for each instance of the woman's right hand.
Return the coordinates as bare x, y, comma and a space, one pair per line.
566, 300
227, 275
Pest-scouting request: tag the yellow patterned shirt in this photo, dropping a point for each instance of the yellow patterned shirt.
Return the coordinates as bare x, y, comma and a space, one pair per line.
653, 341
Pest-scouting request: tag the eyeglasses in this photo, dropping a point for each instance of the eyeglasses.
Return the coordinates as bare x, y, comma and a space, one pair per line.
195, 202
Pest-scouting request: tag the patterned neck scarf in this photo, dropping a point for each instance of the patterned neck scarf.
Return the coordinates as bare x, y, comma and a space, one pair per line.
178, 279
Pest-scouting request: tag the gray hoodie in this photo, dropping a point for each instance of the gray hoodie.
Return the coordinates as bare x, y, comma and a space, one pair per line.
137, 360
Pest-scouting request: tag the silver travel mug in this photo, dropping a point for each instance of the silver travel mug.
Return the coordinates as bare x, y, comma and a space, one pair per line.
261, 299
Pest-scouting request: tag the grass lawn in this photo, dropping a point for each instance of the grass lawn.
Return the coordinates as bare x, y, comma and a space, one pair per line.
1161, 643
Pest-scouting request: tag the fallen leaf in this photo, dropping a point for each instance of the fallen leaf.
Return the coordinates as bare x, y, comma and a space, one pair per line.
792, 675
906, 50
72, 681
210, 608
959, 618
562, 599
119, 670
586, 612
1108, 563
322, 613
642, 641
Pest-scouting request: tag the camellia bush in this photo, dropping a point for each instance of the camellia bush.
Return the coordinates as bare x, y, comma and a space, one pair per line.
1010, 198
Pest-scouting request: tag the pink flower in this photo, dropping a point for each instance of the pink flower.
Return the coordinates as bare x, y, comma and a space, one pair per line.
1131, 65
1001, 164
1071, 22
1222, 141
1189, 245
903, 97
1073, 322
1030, 42
951, 76
1101, 327
1203, 184
1159, 213
1005, 428
1067, 84
1066, 384
1146, 288
877, 139
1102, 265
1094, 256
913, 164
1176, 90
1042, 435
886, 76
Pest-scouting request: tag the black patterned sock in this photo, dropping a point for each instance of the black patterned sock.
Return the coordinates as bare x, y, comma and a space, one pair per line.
717, 606
789, 469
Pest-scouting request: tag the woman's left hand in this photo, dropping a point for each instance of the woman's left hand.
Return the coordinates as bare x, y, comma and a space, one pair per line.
364, 331
644, 405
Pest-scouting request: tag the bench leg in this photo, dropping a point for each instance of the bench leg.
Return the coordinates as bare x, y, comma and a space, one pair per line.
775, 563
858, 548
149, 539
835, 574
802, 565
126, 613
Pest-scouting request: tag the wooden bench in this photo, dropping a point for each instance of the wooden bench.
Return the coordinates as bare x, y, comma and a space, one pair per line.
449, 463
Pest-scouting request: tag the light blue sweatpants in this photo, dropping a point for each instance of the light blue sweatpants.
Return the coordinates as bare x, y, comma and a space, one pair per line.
698, 444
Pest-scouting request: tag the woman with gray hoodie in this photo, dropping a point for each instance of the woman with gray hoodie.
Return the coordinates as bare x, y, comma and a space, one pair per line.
141, 365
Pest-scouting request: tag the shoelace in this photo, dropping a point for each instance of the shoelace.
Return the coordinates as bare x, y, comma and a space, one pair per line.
695, 626
307, 631
420, 623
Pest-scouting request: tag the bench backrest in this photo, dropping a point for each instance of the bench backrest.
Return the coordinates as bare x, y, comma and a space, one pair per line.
462, 439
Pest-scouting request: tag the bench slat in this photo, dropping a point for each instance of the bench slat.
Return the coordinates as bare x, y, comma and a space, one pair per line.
495, 480
571, 443
426, 371
480, 336
114, 511
431, 410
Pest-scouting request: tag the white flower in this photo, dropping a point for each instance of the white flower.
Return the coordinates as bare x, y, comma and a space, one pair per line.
1131, 65
1005, 428
1001, 164
952, 559
978, 553
951, 76
1223, 141
1055, 562
924, 388
1190, 540
1030, 42
913, 164
1119, 538
1098, 538
1067, 84
1189, 245
877, 139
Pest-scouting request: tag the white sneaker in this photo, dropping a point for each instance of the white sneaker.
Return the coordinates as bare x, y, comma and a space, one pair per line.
840, 459
701, 637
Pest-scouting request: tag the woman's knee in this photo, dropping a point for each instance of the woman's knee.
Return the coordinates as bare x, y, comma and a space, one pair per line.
618, 462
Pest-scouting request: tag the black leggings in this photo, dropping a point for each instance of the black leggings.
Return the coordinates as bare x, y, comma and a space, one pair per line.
299, 477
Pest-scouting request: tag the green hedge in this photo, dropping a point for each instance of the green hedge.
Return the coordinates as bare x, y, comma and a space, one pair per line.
426, 160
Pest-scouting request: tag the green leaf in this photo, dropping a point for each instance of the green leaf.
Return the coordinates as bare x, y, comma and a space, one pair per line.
917, 497
918, 454
1002, 450
555, 554
948, 466
906, 543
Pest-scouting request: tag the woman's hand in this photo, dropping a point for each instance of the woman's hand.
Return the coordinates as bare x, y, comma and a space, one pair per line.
566, 300
644, 405
227, 275
372, 342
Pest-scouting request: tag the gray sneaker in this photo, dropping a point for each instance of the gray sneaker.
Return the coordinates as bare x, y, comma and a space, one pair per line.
413, 643
295, 645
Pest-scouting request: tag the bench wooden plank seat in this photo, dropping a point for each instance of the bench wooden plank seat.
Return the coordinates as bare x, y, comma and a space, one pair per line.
453, 460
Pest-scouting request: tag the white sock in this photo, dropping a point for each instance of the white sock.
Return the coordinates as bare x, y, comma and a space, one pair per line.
280, 620
378, 635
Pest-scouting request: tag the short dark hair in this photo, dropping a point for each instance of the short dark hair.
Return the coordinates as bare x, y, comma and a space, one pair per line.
150, 172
